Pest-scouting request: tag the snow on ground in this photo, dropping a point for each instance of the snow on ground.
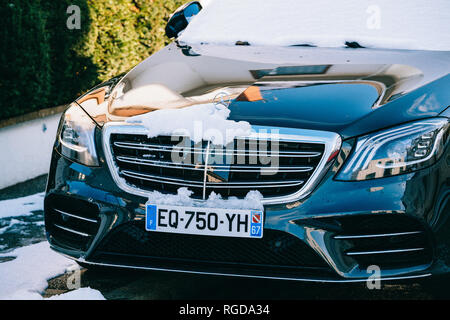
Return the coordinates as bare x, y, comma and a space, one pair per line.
21, 206
80, 294
21, 222
201, 122
11, 224
26, 276
24, 272
401, 24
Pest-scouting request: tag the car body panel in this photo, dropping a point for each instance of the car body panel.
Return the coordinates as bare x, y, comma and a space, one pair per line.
357, 87
350, 92
422, 196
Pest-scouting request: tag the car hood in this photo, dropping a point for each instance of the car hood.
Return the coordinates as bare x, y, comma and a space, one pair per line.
348, 91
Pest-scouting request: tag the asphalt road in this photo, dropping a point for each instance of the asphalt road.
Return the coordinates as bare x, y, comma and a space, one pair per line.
131, 284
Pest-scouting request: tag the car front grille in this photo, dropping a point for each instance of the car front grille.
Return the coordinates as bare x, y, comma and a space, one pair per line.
389, 241
70, 222
167, 163
276, 249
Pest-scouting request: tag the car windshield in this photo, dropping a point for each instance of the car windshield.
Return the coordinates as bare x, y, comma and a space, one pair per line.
400, 24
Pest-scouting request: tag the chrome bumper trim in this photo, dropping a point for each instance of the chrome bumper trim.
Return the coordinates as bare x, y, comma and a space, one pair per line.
322, 280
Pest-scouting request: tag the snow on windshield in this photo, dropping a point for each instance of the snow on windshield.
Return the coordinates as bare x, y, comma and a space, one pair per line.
400, 24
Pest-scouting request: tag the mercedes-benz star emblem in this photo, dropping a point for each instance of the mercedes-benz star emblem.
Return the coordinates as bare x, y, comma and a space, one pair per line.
222, 99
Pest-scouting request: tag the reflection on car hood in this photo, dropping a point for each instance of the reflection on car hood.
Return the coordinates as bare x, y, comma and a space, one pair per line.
349, 91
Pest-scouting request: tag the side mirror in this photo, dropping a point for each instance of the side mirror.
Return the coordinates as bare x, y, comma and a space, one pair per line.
181, 18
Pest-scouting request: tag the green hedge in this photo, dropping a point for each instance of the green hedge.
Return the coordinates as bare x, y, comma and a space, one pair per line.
24, 57
44, 64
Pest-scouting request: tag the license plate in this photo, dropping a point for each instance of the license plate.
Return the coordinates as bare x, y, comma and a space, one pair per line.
204, 221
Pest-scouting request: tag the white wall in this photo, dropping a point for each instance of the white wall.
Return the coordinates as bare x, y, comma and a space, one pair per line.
25, 149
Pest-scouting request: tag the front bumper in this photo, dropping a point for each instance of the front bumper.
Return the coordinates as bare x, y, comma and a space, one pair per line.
414, 206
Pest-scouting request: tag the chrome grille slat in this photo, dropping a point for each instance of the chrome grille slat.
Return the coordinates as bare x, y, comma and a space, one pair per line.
195, 150
234, 168
72, 231
264, 184
75, 216
394, 234
201, 167
165, 164
358, 253
148, 177
246, 185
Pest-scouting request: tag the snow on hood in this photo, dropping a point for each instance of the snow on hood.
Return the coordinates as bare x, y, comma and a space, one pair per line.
206, 122
401, 24
200, 122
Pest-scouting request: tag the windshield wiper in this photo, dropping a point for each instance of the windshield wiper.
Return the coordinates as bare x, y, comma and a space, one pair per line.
303, 45
353, 45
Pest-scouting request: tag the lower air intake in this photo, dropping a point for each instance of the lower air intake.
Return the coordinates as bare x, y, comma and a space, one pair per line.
276, 250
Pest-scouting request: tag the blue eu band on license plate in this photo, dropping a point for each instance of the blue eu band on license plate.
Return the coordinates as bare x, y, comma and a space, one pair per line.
151, 217
256, 224
205, 221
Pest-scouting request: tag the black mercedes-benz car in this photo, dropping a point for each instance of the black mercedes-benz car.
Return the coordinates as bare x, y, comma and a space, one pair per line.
337, 164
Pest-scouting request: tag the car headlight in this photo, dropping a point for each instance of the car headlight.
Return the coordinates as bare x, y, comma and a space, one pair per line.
77, 136
398, 150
